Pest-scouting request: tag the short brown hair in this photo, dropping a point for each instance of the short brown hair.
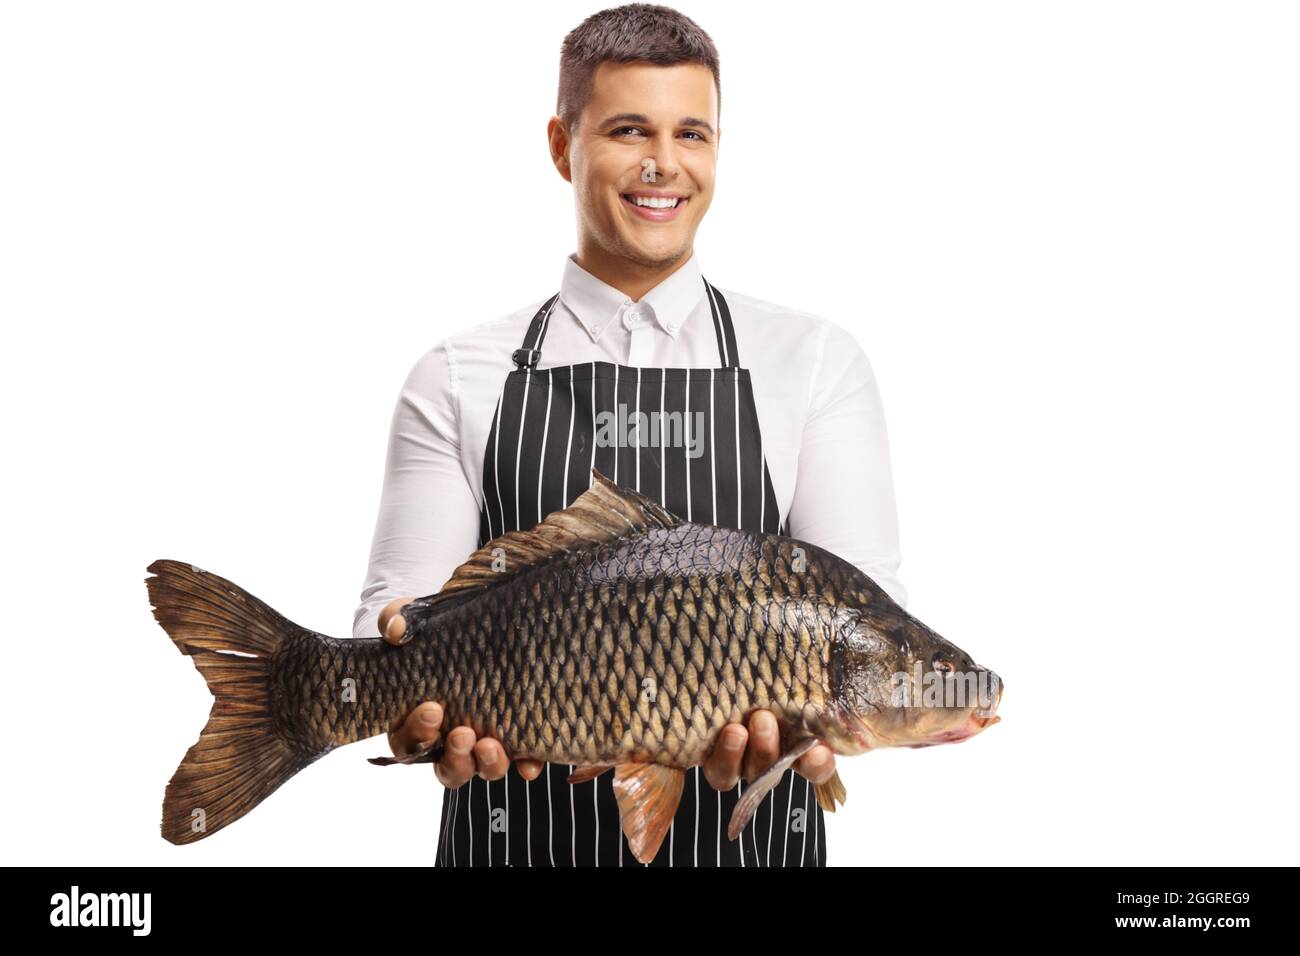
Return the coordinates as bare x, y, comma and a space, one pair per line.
626, 34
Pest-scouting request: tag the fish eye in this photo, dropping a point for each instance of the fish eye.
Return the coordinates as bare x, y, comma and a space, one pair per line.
942, 665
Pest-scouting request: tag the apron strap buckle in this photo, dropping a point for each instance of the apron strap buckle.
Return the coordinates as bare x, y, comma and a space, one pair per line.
526, 358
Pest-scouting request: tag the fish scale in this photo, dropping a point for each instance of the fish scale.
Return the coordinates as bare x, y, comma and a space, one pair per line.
602, 641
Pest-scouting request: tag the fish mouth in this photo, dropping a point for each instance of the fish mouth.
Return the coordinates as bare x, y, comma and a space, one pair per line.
987, 718
978, 721
983, 718
973, 725
965, 732
867, 737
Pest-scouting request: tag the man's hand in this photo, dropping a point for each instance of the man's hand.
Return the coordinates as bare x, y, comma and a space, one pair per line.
757, 748
464, 755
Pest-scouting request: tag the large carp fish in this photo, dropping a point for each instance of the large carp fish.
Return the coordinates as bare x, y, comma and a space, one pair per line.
611, 636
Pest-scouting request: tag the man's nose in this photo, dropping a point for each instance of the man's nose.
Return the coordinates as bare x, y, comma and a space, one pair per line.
661, 159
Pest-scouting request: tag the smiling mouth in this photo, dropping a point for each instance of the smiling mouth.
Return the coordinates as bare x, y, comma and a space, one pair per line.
649, 201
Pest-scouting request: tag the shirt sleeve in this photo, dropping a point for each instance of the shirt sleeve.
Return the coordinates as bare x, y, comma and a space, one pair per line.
844, 493
428, 521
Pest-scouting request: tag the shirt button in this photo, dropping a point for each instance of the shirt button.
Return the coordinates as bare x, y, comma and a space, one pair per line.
634, 317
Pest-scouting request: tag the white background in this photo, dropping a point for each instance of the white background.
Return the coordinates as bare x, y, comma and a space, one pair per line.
1065, 234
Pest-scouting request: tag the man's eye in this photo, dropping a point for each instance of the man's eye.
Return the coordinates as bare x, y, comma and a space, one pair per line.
638, 131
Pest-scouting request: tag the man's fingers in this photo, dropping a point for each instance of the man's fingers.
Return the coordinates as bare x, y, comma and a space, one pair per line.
465, 755
457, 764
491, 757
722, 768
529, 769
817, 765
764, 743
421, 726
391, 624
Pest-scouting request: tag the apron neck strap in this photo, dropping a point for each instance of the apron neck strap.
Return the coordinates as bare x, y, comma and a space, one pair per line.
528, 355
728, 354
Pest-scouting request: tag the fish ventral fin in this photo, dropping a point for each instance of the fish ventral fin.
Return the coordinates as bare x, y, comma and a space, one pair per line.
603, 513
583, 774
648, 795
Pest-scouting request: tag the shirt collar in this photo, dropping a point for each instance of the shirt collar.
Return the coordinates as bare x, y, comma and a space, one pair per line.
596, 304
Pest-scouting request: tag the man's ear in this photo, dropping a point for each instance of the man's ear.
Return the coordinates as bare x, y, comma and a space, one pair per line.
559, 141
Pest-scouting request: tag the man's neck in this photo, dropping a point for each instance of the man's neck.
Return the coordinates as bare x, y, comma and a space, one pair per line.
631, 278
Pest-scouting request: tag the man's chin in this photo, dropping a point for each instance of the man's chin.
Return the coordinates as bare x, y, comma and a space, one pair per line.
653, 255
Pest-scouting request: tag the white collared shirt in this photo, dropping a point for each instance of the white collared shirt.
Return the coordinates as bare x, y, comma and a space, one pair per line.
819, 409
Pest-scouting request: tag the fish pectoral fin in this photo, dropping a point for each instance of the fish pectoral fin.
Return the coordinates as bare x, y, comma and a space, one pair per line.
648, 795
830, 791
761, 787
429, 753
583, 774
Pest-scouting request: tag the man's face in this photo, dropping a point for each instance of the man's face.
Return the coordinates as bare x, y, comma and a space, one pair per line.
645, 119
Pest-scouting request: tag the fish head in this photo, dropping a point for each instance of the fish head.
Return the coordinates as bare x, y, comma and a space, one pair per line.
896, 683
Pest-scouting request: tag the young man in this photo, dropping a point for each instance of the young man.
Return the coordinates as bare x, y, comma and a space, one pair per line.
497, 427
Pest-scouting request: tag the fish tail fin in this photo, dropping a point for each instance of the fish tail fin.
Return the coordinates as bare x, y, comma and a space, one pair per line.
830, 791
240, 758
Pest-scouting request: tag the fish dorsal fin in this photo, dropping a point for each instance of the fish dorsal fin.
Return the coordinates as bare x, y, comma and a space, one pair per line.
603, 513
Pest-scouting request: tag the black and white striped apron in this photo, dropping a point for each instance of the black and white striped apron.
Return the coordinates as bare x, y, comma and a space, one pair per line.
539, 457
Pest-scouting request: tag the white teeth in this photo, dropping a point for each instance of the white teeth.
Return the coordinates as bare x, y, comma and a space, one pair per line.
654, 202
